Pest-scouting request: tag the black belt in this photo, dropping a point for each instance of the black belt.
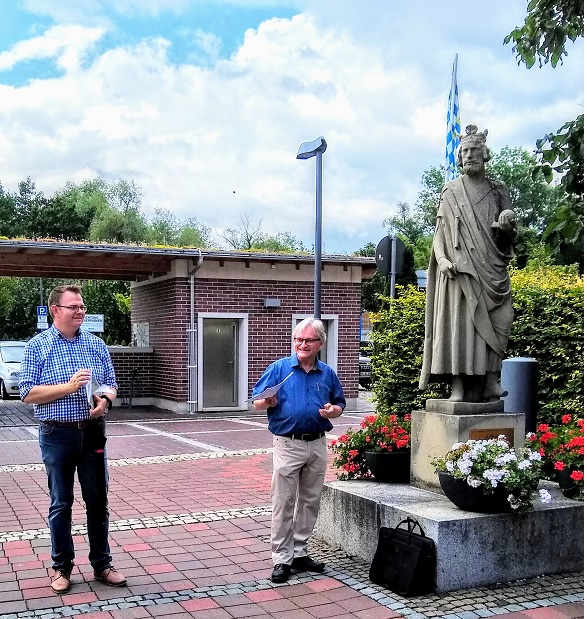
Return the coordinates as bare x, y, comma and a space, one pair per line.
80, 425
310, 436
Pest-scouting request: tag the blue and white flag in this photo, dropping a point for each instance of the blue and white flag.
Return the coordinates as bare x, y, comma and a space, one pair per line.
453, 126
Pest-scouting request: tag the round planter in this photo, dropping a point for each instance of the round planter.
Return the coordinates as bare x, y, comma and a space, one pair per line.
471, 499
568, 486
390, 467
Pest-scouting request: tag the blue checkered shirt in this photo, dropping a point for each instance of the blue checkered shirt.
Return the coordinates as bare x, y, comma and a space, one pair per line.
51, 359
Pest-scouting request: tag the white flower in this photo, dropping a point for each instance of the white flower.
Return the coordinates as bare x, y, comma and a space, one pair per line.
456, 446
534, 455
494, 476
515, 503
544, 496
525, 464
450, 466
464, 465
503, 459
474, 482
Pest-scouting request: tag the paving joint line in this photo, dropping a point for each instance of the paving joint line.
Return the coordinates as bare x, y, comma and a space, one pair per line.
15, 468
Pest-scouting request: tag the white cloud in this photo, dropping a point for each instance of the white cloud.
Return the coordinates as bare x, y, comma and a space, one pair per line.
220, 139
66, 44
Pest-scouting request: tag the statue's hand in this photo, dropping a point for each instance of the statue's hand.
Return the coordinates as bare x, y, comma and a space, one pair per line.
446, 267
507, 221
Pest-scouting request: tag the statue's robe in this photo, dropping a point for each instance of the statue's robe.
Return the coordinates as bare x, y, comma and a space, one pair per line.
468, 317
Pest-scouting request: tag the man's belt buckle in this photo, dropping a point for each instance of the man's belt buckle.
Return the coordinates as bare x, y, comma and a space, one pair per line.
307, 437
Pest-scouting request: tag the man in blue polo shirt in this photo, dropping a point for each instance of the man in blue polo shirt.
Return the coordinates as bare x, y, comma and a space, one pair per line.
57, 365
299, 417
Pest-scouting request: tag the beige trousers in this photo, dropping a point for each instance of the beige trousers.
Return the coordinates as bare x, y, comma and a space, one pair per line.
299, 468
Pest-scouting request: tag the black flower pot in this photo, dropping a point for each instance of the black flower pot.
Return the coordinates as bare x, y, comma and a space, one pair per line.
389, 467
567, 485
471, 499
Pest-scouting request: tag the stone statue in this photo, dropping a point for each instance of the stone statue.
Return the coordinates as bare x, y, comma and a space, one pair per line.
468, 297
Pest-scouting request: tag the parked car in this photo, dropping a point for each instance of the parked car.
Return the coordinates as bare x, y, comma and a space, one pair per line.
10, 357
365, 365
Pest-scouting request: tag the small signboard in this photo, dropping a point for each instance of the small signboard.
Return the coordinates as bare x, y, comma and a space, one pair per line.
42, 311
93, 323
484, 434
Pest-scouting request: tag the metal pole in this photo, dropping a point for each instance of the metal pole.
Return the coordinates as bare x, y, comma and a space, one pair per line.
393, 263
318, 239
41, 291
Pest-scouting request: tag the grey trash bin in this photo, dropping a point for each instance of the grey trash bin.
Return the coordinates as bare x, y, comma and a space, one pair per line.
519, 377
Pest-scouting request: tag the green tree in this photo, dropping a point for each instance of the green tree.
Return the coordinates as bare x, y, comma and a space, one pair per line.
7, 214
544, 36
249, 236
194, 234
166, 229
111, 298
29, 204
72, 209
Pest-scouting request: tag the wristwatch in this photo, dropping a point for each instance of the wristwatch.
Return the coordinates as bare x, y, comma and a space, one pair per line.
105, 397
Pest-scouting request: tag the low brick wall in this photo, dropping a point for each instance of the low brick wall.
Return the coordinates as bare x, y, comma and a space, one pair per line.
133, 366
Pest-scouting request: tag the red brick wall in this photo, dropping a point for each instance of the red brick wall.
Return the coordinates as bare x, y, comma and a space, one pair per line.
128, 364
165, 306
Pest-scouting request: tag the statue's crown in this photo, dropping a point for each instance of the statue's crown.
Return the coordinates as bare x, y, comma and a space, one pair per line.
471, 135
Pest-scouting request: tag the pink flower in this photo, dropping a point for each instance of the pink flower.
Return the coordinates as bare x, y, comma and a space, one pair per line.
577, 475
559, 466
566, 419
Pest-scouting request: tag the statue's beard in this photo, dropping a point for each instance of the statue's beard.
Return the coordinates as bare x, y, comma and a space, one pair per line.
473, 168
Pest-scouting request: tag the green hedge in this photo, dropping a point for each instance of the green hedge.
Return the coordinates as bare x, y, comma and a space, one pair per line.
548, 326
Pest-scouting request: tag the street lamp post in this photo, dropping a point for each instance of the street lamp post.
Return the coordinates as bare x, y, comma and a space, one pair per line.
308, 150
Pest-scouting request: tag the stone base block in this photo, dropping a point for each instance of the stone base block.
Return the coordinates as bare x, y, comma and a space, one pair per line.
434, 434
471, 549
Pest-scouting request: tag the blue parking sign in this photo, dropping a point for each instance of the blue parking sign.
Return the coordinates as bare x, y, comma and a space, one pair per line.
41, 310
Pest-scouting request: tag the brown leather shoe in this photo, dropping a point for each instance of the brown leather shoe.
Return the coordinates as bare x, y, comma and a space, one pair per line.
111, 577
60, 581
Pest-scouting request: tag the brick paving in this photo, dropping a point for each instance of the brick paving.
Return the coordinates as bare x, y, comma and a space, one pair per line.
190, 524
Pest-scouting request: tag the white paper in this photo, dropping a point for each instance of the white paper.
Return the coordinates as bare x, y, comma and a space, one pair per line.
270, 391
93, 387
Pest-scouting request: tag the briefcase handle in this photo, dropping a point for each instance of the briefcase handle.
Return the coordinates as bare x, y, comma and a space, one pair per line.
412, 524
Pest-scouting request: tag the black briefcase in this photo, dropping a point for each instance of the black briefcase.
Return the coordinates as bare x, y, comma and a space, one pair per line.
405, 560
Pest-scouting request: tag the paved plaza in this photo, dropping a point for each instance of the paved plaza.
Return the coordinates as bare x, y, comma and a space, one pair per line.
190, 522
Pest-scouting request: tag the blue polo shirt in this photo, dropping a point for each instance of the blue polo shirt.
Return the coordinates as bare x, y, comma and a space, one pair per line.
301, 396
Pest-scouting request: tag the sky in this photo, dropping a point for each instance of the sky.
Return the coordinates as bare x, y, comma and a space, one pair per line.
205, 104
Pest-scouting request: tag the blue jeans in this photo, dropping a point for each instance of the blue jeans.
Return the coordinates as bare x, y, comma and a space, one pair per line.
64, 450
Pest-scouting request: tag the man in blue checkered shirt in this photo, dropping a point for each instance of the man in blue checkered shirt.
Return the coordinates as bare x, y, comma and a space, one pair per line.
57, 365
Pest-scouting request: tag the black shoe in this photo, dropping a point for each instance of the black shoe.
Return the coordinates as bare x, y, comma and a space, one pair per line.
280, 572
307, 564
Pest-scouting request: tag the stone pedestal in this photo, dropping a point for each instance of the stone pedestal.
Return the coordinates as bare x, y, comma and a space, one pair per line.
443, 423
472, 550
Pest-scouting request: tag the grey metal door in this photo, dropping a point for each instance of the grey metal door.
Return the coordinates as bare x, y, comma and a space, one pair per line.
219, 371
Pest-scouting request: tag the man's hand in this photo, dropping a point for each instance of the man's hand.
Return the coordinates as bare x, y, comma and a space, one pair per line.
330, 410
446, 267
79, 379
263, 405
100, 407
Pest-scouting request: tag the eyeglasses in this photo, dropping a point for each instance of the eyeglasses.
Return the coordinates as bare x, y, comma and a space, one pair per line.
73, 308
305, 340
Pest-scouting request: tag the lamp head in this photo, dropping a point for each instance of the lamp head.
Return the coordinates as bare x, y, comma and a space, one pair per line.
311, 149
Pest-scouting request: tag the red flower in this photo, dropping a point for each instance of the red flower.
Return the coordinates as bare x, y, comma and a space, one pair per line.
542, 428
559, 466
577, 475
566, 419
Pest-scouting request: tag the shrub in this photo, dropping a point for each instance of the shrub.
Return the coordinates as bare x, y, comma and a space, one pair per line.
548, 326
398, 343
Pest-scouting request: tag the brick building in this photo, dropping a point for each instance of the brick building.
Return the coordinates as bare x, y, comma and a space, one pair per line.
206, 323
